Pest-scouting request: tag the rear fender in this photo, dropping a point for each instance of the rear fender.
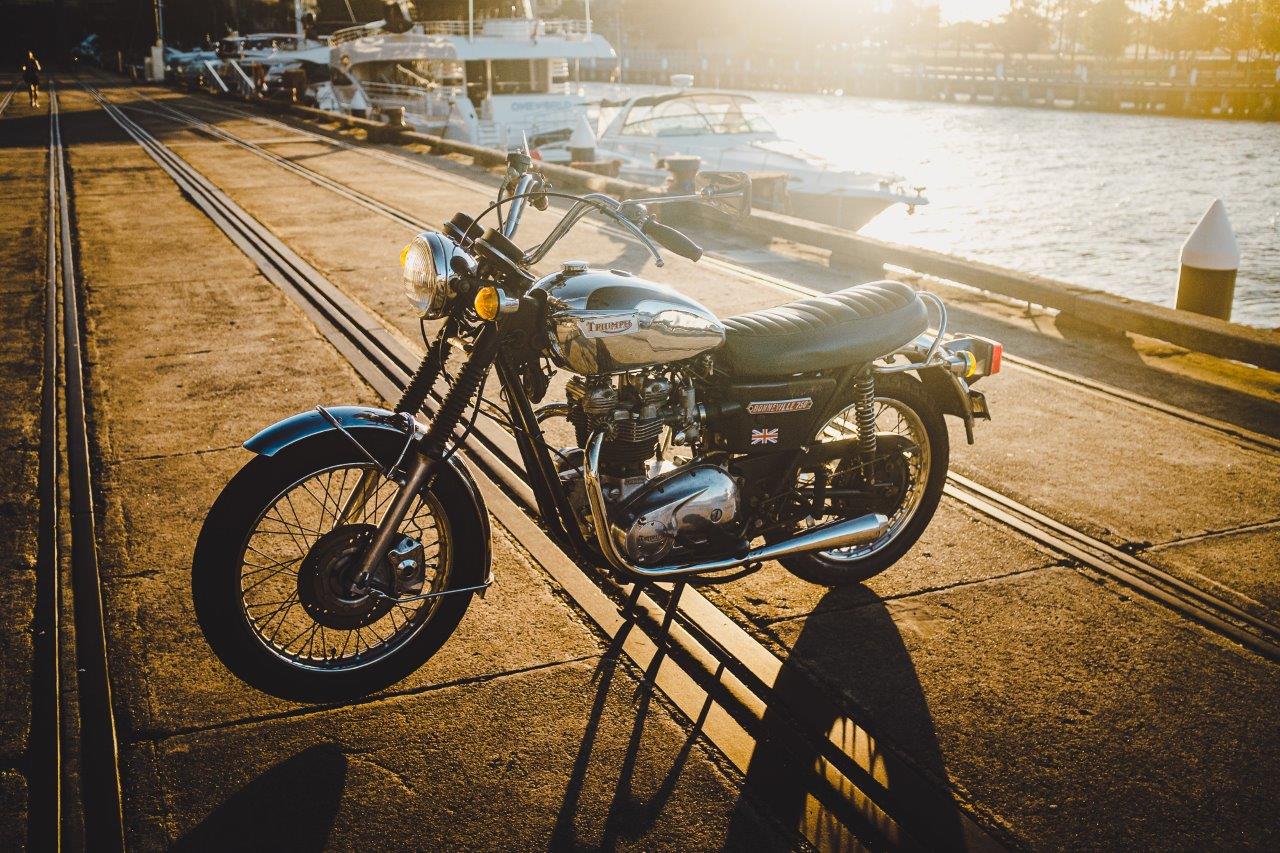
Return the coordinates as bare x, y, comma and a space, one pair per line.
954, 397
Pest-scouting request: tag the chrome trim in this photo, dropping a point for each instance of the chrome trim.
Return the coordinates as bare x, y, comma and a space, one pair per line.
838, 534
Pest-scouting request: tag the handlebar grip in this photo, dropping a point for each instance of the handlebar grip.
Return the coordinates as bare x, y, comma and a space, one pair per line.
672, 240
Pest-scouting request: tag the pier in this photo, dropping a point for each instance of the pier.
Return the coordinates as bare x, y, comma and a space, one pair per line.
1204, 90
1082, 651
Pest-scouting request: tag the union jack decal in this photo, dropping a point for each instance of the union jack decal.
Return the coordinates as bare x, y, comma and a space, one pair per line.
764, 436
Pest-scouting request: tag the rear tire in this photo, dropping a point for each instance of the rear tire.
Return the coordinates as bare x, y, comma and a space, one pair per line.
220, 588
834, 569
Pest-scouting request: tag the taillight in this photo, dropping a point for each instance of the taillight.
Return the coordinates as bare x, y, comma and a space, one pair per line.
997, 353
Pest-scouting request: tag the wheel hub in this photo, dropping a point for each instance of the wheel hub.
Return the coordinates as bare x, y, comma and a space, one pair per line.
327, 577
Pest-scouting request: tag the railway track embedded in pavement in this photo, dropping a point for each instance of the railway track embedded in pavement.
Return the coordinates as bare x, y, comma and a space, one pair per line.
73, 732
1214, 612
719, 677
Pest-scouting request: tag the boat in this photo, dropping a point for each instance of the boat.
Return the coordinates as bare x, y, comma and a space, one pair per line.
493, 81
728, 131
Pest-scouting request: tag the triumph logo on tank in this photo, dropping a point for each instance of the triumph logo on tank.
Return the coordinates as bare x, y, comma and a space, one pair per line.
779, 407
604, 326
764, 436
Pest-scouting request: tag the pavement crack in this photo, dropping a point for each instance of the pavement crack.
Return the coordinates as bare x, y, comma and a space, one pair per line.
155, 735
150, 457
1212, 534
904, 596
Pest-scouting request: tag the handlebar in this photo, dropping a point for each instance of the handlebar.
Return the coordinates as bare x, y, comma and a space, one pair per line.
672, 240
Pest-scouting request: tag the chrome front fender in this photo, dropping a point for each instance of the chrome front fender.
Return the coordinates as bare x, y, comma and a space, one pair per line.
355, 420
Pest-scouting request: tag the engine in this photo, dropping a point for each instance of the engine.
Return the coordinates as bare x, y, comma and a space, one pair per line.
657, 508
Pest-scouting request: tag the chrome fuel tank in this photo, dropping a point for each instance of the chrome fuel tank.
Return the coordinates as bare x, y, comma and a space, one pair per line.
607, 321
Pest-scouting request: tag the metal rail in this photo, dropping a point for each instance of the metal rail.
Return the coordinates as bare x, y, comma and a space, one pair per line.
100, 789
730, 667
1211, 611
8, 96
44, 816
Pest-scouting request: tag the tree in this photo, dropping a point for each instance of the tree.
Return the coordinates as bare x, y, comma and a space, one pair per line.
1108, 28
1269, 29
1024, 28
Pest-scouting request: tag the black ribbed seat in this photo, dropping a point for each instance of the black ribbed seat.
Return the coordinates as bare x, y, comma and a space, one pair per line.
847, 327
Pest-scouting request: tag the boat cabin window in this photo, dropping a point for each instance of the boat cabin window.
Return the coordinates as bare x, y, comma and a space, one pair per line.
411, 72
510, 77
696, 116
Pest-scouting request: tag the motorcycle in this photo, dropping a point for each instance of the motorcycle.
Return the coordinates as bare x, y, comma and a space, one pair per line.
346, 551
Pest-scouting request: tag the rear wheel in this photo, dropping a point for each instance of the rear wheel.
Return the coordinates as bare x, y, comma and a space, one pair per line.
274, 575
903, 482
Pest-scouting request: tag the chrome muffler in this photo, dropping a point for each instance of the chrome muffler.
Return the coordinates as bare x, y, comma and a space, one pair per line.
837, 534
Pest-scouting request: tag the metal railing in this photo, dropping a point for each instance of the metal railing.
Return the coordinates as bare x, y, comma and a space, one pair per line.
512, 28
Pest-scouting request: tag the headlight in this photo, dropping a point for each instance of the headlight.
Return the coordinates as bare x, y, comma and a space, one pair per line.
429, 280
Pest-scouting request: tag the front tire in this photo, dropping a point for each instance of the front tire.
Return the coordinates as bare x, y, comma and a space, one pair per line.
903, 407
267, 566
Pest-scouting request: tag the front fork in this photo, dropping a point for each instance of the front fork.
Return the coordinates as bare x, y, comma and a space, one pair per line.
427, 453
411, 402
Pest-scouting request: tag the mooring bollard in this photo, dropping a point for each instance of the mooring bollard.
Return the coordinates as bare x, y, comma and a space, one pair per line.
683, 169
582, 143
1210, 260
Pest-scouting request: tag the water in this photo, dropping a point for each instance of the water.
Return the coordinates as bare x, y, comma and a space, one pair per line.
1095, 199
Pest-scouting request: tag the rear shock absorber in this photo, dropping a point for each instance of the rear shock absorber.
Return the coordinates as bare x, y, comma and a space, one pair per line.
864, 409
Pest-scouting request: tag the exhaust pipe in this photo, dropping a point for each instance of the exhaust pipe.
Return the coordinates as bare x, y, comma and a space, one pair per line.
836, 534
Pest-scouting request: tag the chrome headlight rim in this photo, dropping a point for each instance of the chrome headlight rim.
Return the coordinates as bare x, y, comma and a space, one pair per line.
430, 282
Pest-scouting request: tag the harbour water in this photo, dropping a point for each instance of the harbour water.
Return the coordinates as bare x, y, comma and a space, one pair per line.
1100, 200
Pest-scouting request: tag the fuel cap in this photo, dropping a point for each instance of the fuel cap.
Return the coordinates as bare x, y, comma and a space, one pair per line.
573, 267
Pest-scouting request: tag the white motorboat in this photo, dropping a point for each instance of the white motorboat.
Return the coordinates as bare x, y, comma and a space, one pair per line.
490, 81
729, 132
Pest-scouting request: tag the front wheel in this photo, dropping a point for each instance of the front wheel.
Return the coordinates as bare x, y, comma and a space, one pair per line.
903, 481
273, 579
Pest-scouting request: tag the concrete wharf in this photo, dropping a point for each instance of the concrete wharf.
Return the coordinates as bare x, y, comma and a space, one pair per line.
1080, 652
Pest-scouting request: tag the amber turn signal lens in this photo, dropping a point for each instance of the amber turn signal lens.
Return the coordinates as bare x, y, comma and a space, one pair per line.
487, 303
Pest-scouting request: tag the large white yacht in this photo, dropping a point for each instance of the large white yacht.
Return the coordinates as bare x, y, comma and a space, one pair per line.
729, 132
487, 81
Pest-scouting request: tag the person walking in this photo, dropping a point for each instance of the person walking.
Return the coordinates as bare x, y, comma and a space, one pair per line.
31, 76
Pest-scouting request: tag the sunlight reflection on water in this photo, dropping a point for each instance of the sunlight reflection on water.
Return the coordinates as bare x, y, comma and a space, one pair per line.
1089, 198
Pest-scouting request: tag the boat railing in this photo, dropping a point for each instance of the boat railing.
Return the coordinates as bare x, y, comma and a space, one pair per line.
359, 31
567, 28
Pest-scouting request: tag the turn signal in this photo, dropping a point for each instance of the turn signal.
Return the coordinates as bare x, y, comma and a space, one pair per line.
488, 303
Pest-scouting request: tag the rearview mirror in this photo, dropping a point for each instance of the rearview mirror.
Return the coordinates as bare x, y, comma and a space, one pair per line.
728, 192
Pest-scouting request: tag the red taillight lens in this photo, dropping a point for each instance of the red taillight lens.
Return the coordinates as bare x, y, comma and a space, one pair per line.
997, 353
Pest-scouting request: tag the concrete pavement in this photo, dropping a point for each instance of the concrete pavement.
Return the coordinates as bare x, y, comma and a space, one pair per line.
1050, 702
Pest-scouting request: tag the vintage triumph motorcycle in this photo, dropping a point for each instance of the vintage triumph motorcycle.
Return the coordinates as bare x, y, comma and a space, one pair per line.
344, 554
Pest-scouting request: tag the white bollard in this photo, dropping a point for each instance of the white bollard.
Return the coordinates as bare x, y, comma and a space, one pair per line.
1210, 260
582, 144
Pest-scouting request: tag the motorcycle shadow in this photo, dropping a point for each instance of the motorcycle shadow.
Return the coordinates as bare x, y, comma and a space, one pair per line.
848, 686
291, 806
815, 771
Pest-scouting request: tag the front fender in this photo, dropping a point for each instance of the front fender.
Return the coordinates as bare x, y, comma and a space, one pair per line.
291, 430
357, 419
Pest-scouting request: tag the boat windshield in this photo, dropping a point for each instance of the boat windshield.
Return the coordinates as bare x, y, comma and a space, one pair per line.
696, 115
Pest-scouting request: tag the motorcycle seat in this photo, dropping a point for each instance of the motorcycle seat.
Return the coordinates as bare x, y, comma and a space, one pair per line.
851, 326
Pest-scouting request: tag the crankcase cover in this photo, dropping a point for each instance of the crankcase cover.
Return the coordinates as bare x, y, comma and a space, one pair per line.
691, 505
602, 322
